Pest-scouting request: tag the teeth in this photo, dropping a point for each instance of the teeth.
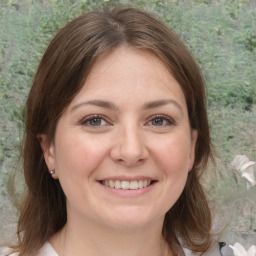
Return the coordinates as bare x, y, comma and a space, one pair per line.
124, 184
134, 184
117, 184
111, 183
140, 183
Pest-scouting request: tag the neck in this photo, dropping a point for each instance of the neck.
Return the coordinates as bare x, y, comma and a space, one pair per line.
85, 238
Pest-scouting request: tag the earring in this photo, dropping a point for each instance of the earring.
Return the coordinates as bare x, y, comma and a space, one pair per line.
52, 171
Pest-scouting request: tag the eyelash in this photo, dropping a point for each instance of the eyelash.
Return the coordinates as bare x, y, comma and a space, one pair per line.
101, 118
169, 121
91, 118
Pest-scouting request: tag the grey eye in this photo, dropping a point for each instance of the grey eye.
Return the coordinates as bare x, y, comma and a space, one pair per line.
95, 121
157, 121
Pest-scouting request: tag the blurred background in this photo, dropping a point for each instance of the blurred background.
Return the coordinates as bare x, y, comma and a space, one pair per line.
221, 35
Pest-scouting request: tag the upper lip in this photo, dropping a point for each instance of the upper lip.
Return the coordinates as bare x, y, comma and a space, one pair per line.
127, 178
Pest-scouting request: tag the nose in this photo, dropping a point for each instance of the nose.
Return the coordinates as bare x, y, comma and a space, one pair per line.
129, 147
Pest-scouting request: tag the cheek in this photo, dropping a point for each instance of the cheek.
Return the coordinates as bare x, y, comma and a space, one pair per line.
173, 155
172, 159
78, 155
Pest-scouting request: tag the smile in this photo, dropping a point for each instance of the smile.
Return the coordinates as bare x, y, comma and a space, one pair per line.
126, 185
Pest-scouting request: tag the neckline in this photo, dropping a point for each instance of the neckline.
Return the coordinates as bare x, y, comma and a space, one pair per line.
48, 250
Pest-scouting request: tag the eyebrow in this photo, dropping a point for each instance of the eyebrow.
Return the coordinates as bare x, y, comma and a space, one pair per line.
159, 103
99, 103
111, 106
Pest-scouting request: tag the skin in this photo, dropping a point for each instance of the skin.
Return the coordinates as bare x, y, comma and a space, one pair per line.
129, 122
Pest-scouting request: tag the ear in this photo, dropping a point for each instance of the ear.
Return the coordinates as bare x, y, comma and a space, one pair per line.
194, 135
49, 153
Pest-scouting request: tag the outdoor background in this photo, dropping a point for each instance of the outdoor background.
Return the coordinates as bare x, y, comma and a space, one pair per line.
221, 35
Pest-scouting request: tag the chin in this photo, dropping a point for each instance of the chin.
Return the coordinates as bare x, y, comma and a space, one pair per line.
133, 219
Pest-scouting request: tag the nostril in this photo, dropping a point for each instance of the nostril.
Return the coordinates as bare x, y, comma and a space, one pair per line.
129, 148
130, 161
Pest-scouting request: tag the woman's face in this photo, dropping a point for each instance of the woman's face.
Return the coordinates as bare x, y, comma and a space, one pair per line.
123, 147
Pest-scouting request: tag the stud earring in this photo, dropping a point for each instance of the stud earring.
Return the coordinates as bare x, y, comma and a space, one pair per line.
52, 171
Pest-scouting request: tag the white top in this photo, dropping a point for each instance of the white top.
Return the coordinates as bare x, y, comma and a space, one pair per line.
47, 250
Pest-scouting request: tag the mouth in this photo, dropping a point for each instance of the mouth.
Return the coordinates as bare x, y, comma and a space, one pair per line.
127, 185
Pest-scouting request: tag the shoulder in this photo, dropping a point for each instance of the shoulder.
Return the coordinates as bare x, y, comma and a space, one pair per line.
220, 249
4, 251
46, 250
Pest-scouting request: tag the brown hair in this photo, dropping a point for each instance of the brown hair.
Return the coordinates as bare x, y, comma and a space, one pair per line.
61, 75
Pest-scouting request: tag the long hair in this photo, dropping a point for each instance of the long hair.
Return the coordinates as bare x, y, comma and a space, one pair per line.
61, 74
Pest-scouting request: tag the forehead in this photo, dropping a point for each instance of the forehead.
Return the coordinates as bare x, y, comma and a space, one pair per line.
132, 72
138, 61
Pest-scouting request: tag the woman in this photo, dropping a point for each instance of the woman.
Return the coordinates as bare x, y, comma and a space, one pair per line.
116, 139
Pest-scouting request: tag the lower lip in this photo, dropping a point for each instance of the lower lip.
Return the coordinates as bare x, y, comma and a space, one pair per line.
128, 192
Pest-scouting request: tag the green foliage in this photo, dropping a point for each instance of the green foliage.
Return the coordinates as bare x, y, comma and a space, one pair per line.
221, 36
216, 40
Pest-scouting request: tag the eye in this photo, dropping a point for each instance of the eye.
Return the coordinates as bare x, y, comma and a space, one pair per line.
160, 121
94, 121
